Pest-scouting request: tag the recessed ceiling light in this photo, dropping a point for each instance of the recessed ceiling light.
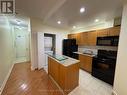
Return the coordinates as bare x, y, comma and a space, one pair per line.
59, 22
96, 20
74, 27
82, 10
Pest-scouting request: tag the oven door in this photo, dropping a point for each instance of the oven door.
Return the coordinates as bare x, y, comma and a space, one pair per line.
103, 70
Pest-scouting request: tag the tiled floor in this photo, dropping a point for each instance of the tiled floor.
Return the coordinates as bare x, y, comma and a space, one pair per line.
88, 85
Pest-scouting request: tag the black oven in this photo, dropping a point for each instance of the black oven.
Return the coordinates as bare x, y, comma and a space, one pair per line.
108, 41
103, 66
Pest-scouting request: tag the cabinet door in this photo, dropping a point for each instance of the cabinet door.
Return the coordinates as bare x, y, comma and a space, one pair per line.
49, 65
72, 36
83, 38
54, 70
92, 38
102, 33
85, 63
69, 36
114, 31
78, 38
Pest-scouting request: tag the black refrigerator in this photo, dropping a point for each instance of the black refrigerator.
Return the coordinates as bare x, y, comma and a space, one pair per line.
69, 47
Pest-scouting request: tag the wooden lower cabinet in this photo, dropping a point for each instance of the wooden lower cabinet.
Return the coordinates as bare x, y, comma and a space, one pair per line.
53, 69
67, 77
85, 62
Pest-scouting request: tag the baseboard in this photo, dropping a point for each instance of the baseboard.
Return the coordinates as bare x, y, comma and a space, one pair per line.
22, 62
5, 80
32, 68
114, 92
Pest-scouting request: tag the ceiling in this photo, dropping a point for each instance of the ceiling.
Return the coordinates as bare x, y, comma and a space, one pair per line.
67, 11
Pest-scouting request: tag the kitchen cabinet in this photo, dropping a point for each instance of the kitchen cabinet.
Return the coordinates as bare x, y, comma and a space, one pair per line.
102, 33
89, 38
114, 31
92, 38
53, 68
67, 77
78, 38
72, 36
85, 62
82, 38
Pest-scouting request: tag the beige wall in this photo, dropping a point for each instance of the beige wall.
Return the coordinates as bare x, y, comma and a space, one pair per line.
38, 26
6, 49
120, 84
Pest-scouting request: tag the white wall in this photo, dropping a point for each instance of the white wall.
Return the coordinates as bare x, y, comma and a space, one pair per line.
120, 84
6, 49
37, 26
34, 53
41, 55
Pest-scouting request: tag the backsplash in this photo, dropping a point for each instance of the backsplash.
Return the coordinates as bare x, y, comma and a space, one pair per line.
94, 49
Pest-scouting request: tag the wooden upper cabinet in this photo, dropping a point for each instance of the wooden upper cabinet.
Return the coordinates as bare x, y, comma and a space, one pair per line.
92, 38
83, 38
78, 40
72, 36
114, 31
102, 33
69, 36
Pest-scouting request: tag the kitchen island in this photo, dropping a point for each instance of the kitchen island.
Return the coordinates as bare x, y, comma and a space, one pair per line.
64, 71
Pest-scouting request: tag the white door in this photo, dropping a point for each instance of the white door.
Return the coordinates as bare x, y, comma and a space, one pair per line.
21, 45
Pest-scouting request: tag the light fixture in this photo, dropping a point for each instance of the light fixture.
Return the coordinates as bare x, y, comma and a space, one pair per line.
96, 20
74, 27
82, 10
59, 22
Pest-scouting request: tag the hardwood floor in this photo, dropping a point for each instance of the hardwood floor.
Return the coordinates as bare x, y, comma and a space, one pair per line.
23, 81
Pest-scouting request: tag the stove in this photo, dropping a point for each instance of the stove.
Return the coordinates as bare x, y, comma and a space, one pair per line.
103, 66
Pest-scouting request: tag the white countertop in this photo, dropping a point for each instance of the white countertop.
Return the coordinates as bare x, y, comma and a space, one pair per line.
90, 55
67, 62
